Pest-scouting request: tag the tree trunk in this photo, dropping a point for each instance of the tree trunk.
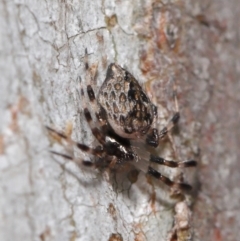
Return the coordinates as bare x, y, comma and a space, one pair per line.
190, 47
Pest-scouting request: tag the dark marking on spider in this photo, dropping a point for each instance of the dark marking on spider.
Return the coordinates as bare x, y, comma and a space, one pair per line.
125, 116
91, 94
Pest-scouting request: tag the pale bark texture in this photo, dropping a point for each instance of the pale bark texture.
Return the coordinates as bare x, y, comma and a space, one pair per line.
191, 47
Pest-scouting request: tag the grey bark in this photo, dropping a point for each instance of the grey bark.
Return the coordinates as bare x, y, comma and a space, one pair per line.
193, 45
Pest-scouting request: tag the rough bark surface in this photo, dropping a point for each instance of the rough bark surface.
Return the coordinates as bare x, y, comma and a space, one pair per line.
190, 45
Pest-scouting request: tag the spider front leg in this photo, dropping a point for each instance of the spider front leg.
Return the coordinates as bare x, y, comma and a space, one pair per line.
171, 163
154, 137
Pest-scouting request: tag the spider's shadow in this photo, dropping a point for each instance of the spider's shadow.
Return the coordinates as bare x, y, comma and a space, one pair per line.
133, 182
91, 182
123, 183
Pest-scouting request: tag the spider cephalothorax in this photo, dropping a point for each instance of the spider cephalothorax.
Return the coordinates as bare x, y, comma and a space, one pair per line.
125, 117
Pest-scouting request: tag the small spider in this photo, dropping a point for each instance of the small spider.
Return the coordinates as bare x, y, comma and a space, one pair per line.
124, 127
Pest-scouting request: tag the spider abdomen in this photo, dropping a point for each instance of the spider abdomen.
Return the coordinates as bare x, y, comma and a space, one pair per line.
129, 111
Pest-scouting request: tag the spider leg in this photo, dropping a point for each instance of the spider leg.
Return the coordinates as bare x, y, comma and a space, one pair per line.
101, 117
91, 76
108, 161
96, 131
173, 164
77, 161
154, 173
94, 106
94, 151
154, 137
105, 162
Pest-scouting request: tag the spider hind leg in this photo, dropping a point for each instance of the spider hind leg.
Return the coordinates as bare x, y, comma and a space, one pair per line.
94, 151
171, 163
179, 185
102, 160
77, 161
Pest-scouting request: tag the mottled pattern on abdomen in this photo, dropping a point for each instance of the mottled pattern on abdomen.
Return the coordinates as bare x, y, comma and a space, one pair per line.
129, 110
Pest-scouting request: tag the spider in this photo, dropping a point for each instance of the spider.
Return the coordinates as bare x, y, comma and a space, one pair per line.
123, 125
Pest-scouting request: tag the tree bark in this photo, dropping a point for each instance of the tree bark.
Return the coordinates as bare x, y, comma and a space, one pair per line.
191, 47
